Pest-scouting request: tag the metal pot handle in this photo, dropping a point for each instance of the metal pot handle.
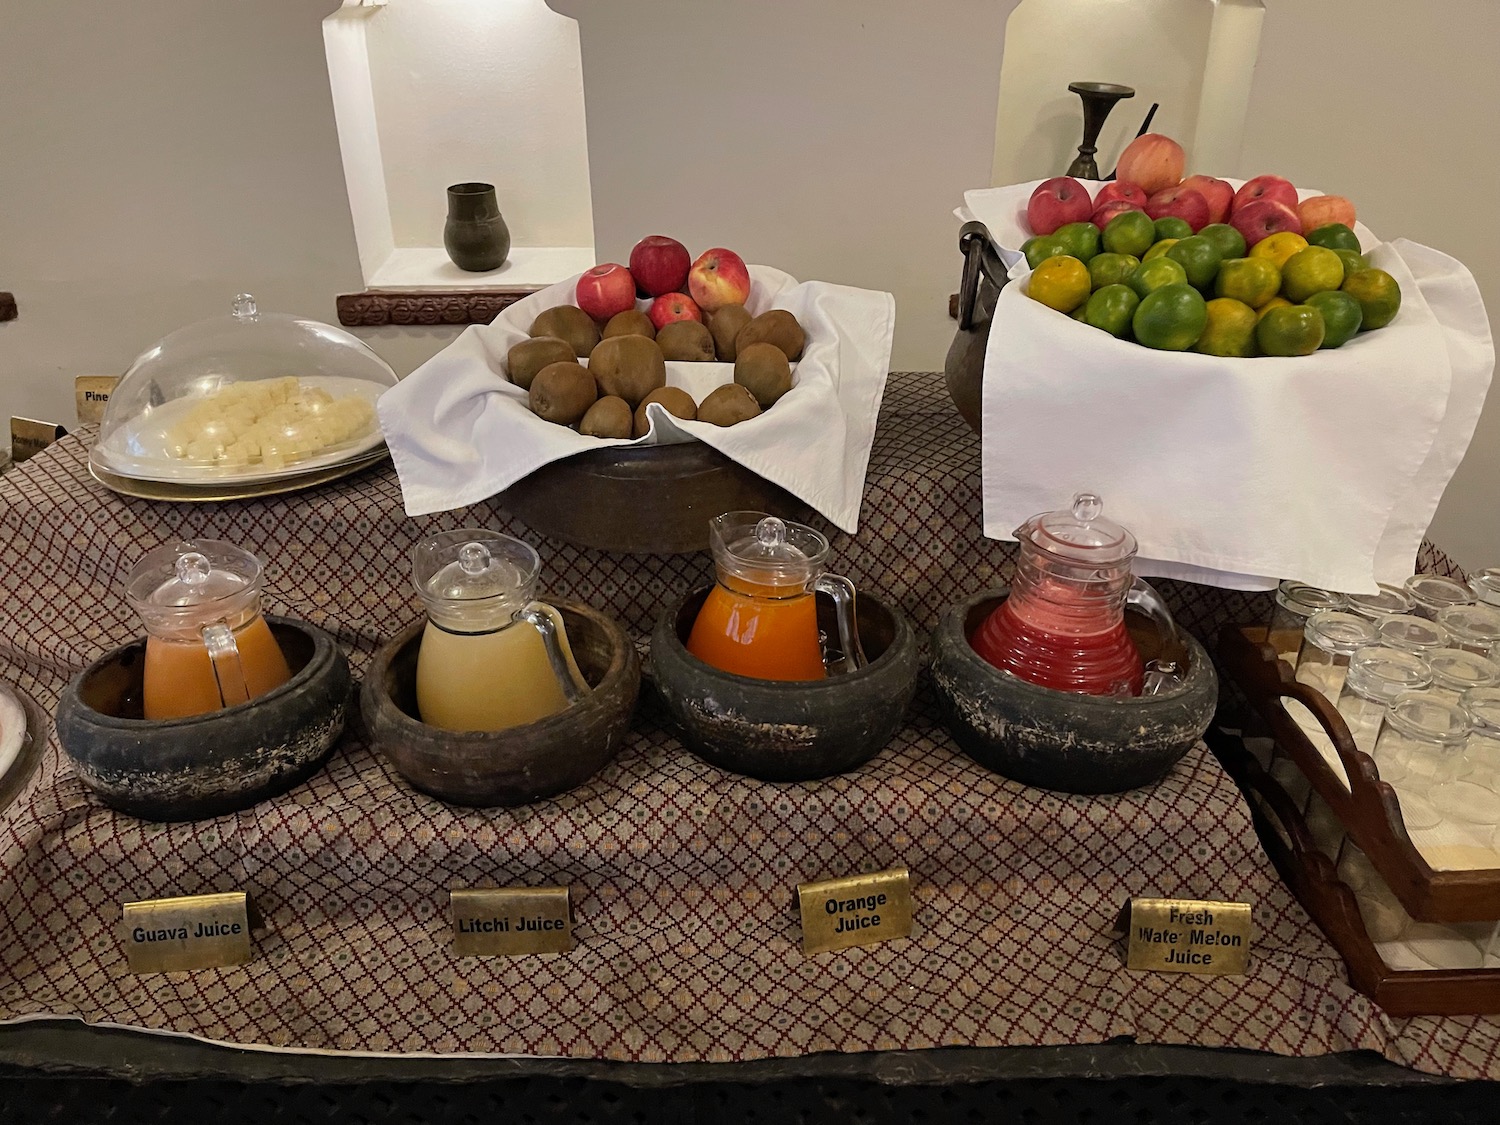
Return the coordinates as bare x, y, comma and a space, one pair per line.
980, 261
548, 622
841, 590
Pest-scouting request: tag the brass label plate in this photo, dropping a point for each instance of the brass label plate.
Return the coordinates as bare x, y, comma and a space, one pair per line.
29, 436
91, 395
1183, 935
511, 921
855, 910
171, 935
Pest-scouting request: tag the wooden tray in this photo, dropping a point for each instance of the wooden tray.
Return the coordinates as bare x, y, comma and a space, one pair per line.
1329, 901
1369, 809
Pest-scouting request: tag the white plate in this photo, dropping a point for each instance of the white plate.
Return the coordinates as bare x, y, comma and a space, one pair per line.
138, 449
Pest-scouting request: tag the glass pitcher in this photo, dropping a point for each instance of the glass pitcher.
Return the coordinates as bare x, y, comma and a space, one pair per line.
1063, 625
761, 619
491, 656
207, 645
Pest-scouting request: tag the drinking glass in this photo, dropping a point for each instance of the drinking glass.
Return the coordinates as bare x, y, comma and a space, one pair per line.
1432, 593
1329, 639
1372, 607
1409, 633
1295, 603
1376, 676
1420, 744
1473, 628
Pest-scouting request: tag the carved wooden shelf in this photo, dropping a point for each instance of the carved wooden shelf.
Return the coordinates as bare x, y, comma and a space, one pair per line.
375, 308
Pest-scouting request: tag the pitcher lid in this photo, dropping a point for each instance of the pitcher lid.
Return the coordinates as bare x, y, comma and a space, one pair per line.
191, 573
1080, 533
767, 550
473, 579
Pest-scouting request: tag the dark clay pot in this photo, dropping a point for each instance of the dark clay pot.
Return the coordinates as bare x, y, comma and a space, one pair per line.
1057, 740
644, 500
788, 731
521, 764
205, 765
475, 234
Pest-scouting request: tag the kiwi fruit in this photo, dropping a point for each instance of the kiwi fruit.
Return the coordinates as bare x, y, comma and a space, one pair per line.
631, 322
609, 417
686, 340
763, 370
676, 401
725, 325
570, 323
628, 366
563, 392
777, 327
528, 357
727, 405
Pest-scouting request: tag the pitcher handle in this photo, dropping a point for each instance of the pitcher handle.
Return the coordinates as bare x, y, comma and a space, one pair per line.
841, 590
224, 655
1144, 598
548, 622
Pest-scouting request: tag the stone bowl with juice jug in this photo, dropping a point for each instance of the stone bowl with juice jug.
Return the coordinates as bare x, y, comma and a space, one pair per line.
205, 765
745, 667
519, 764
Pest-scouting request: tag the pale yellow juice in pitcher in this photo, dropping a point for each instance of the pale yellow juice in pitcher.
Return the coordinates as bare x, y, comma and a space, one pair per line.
488, 681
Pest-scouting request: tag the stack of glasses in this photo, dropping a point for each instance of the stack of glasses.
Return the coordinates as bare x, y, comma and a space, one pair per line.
1415, 673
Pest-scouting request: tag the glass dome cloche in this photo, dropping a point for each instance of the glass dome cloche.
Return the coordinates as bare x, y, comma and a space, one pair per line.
249, 396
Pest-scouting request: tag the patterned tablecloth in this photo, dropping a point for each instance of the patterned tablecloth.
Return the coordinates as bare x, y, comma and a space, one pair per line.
688, 947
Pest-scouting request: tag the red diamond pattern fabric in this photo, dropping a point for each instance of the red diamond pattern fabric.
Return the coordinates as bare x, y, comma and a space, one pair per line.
682, 875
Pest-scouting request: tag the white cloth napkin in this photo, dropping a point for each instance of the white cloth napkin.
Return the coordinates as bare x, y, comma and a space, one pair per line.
1235, 473
459, 431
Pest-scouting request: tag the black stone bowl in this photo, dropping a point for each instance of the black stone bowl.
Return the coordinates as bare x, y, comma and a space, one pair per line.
204, 765
780, 731
1055, 739
521, 764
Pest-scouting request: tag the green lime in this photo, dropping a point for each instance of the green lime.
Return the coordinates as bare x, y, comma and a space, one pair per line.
1110, 269
1038, 250
1111, 308
1151, 276
1199, 257
1342, 316
1171, 318
1229, 330
1378, 295
1080, 313
1129, 232
1290, 330
1160, 248
1081, 239
1353, 262
1334, 236
1170, 226
1229, 242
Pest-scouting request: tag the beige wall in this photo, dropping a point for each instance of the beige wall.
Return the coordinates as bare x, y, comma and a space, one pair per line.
157, 157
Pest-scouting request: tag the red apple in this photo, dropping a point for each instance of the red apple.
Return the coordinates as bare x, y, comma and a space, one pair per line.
1121, 189
605, 290
1220, 196
1102, 215
671, 307
1152, 161
1185, 203
1261, 218
719, 277
1056, 203
659, 264
1319, 210
1265, 187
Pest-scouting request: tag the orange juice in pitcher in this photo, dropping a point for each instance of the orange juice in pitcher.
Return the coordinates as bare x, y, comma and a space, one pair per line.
207, 645
761, 619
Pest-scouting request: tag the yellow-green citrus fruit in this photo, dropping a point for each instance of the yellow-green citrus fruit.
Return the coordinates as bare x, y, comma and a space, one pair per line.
1170, 226
1290, 330
1060, 283
1199, 257
1335, 236
1111, 308
1038, 250
1171, 318
1152, 275
1229, 242
1278, 247
1342, 316
1315, 269
1081, 239
1251, 280
1229, 330
1111, 269
1129, 232
1378, 295
1159, 248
